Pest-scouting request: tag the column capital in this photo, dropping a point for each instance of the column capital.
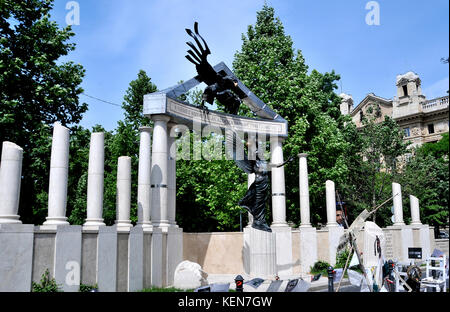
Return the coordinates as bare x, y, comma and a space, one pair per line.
160, 117
302, 155
146, 129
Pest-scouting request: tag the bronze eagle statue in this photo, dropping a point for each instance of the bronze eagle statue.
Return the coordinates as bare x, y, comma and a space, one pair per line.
220, 86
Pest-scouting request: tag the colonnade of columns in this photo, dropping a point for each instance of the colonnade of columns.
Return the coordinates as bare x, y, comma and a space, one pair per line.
156, 182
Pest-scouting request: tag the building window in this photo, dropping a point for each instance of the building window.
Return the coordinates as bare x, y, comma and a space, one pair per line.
430, 128
405, 90
406, 131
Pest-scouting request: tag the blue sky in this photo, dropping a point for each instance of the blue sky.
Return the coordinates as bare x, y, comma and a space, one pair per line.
117, 38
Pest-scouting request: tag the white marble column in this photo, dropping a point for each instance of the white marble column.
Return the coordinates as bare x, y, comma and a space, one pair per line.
171, 174
144, 191
331, 203
415, 211
159, 173
278, 184
123, 195
59, 171
10, 179
334, 230
251, 176
95, 180
304, 191
398, 207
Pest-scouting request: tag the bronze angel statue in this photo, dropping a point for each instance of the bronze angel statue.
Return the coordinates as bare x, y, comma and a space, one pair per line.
255, 198
220, 86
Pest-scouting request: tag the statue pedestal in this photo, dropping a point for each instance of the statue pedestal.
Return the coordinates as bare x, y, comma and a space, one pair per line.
260, 253
401, 239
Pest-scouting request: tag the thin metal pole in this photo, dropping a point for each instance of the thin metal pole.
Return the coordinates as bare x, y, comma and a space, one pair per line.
345, 268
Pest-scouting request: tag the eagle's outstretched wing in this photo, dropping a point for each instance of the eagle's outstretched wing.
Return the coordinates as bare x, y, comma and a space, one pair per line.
354, 228
198, 56
242, 162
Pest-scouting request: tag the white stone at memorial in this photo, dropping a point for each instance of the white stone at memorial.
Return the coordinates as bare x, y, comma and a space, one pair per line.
171, 174
304, 191
331, 203
398, 207
415, 210
59, 171
189, 275
95, 181
278, 185
144, 171
123, 197
159, 175
10, 179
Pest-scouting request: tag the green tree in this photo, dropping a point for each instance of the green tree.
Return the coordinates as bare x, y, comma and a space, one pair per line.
133, 100
426, 176
437, 150
373, 162
207, 190
35, 91
268, 65
124, 141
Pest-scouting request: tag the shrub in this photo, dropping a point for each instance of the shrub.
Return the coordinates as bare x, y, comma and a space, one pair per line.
47, 284
87, 288
320, 267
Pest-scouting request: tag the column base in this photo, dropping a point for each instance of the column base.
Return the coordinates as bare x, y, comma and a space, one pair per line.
162, 224
10, 219
56, 221
93, 224
146, 224
334, 235
279, 225
123, 225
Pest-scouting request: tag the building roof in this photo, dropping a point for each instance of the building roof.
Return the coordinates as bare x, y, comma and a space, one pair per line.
409, 76
371, 96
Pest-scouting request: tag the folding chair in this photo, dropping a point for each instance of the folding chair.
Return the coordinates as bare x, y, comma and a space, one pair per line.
439, 281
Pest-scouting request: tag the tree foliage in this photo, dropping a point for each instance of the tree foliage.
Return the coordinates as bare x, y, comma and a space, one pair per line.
208, 189
426, 176
372, 158
268, 65
35, 91
123, 141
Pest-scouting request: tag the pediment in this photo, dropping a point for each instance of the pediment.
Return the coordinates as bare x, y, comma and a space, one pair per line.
370, 98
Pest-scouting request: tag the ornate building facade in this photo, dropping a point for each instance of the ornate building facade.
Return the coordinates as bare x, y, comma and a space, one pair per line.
422, 120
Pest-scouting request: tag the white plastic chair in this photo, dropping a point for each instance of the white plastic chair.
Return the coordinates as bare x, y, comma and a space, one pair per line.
441, 274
